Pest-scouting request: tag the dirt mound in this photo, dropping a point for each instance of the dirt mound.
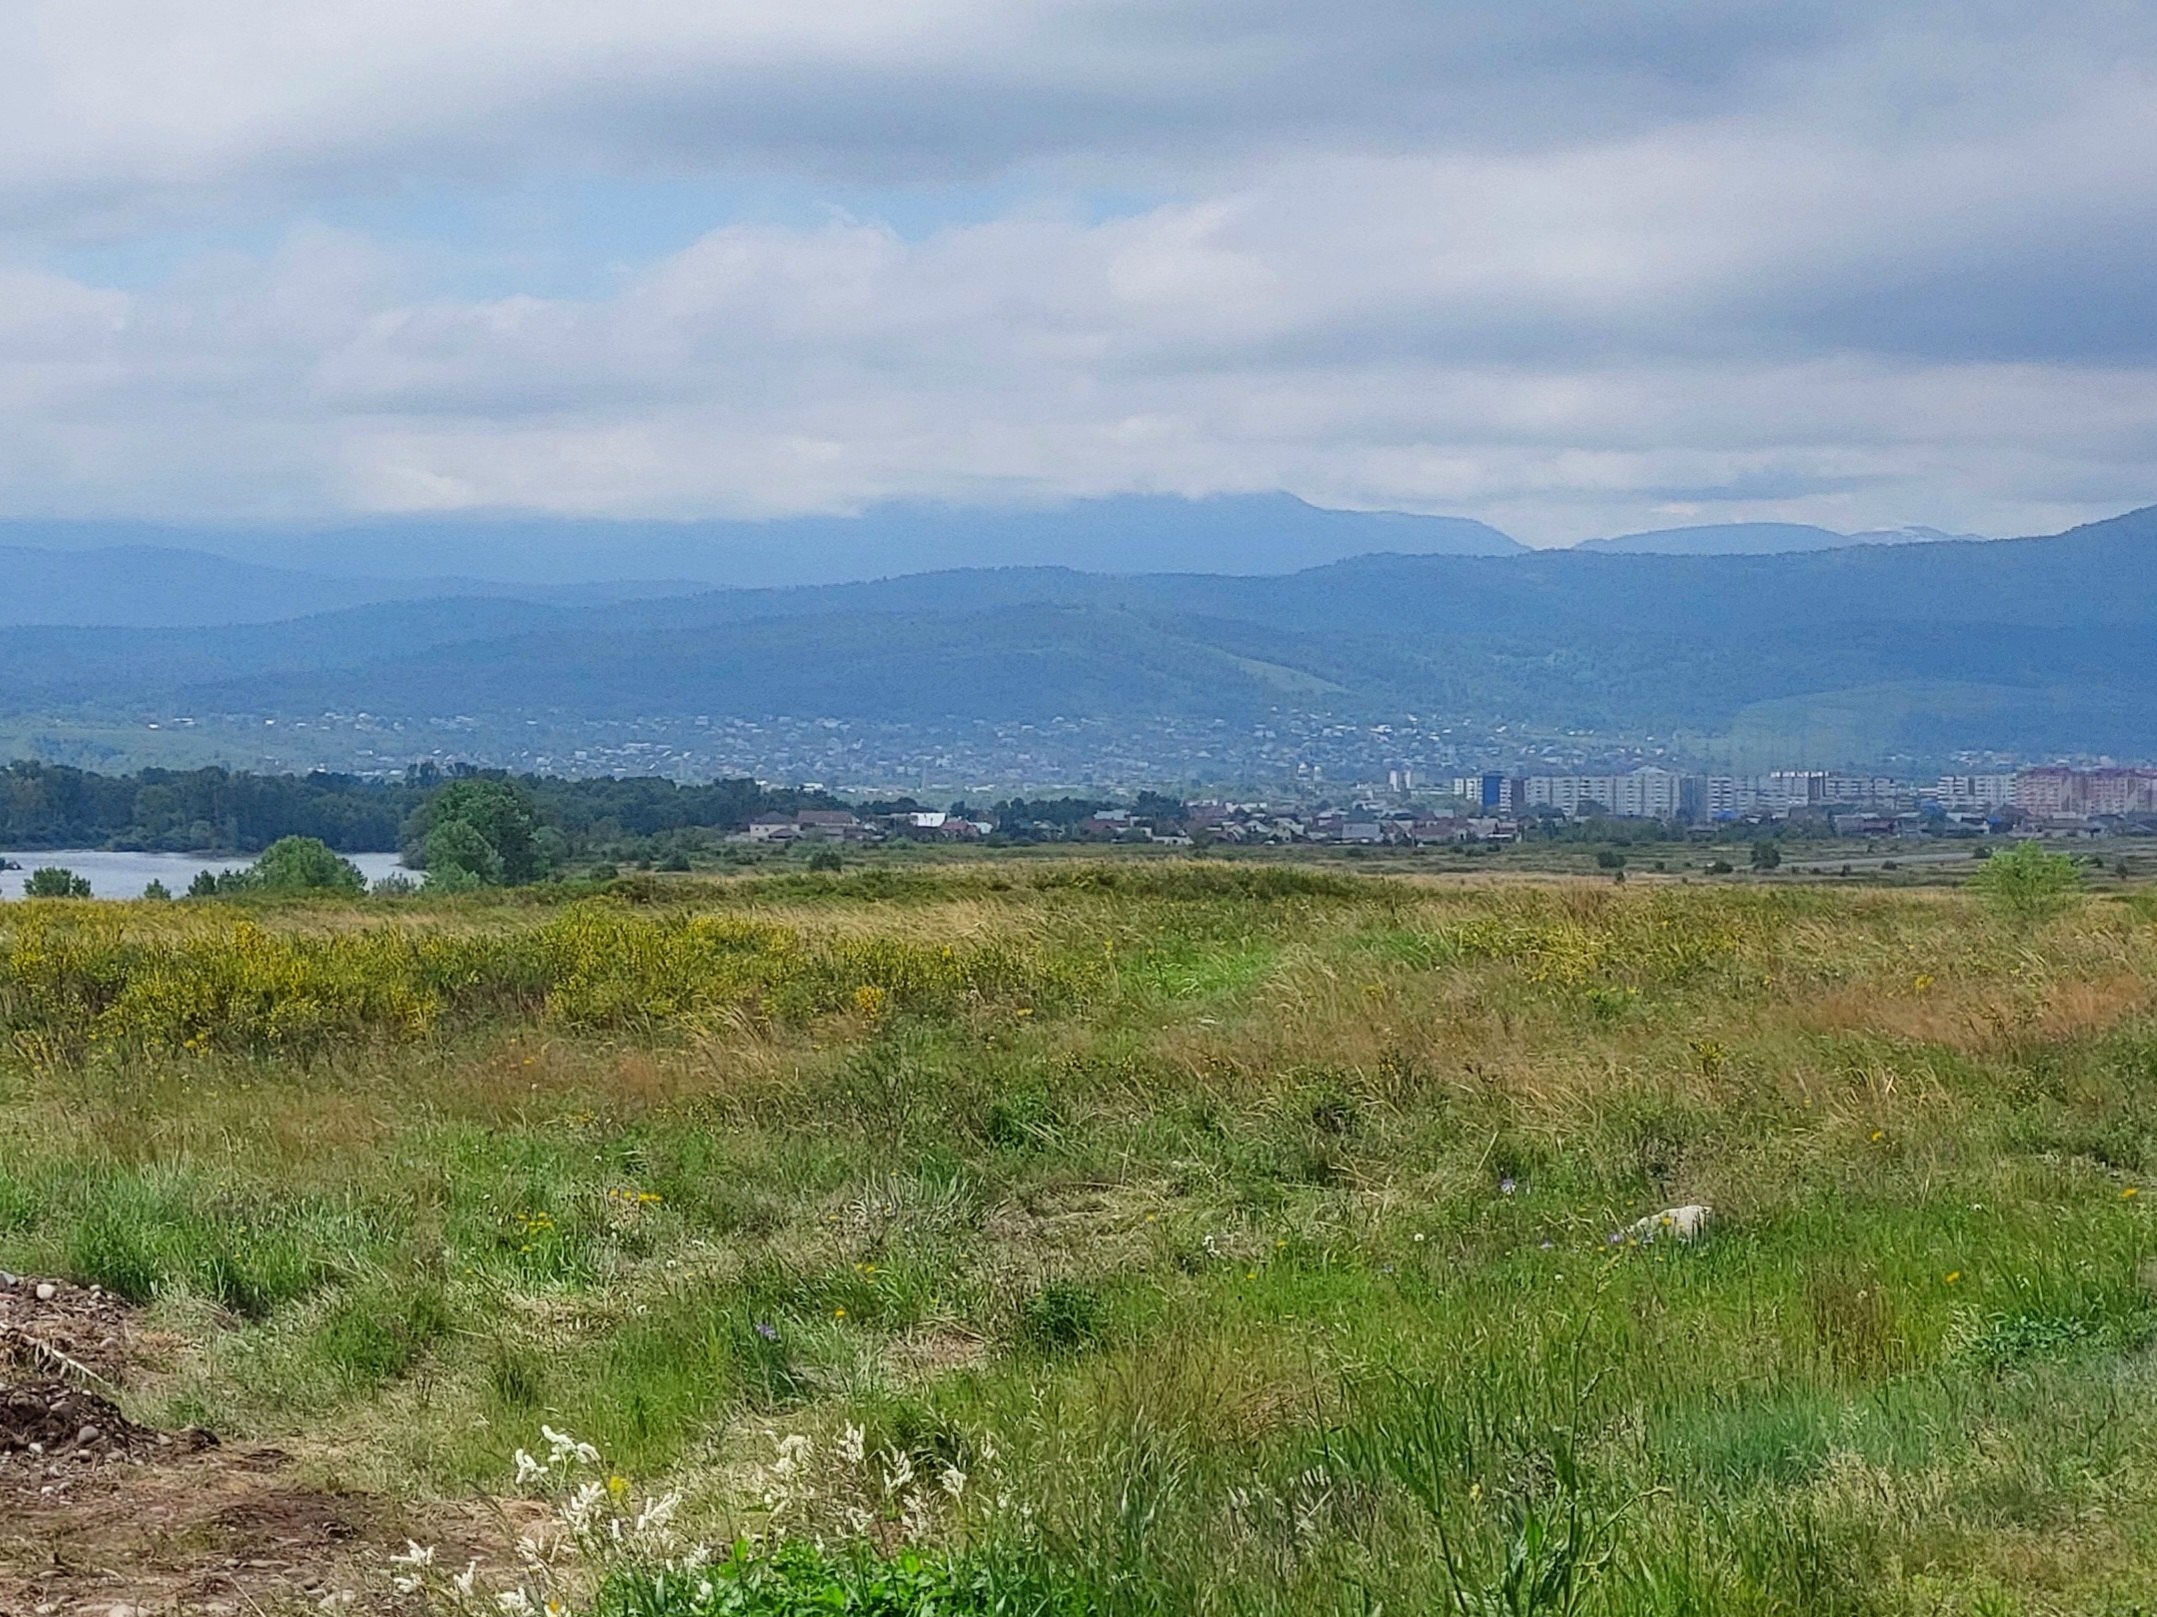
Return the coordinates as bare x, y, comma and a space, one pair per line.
54, 1419
54, 1328
99, 1514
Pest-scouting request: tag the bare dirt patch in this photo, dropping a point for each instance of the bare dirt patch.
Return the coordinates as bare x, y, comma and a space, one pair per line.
101, 1516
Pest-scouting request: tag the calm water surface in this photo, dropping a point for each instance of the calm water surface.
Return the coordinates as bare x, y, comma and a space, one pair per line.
125, 875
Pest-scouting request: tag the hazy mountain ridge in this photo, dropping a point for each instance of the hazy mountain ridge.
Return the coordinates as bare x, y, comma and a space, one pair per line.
2059, 635
298, 571
1760, 539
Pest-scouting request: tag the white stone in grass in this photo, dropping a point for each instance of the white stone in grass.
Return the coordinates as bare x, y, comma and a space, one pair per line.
1687, 1223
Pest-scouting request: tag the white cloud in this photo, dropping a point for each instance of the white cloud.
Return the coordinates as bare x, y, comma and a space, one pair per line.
1564, 268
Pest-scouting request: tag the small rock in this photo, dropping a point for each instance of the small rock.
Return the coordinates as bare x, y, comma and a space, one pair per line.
1685, 1223
87, 1436
47, 1291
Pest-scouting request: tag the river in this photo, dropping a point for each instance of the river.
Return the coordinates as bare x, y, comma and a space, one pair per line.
125, 875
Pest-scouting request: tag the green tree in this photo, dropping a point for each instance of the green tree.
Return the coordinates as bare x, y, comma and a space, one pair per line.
498, 815
2026, 883
157, 892
54, 882
1766, 856
457, 856
305, 865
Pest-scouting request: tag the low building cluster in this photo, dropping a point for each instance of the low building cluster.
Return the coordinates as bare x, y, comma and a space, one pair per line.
1494, 807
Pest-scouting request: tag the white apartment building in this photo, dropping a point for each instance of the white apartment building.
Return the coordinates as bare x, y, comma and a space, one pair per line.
1644, 794
1777, 792
1974, 793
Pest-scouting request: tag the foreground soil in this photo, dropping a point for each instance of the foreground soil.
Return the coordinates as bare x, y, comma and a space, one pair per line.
101, 1515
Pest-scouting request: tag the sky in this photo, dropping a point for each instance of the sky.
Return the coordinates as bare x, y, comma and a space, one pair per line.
1576, 267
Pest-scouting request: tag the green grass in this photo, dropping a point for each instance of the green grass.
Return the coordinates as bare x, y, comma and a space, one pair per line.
1243, 1232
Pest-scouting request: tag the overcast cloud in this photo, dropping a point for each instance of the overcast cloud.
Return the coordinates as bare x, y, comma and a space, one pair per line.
1572, 267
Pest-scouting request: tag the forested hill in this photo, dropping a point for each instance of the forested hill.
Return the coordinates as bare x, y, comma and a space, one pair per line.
2033, 646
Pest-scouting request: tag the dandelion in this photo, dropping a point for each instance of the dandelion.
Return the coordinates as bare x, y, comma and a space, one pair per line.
2130, 1193
1878, 1135
617, 1485
838, 1313
1954, 1276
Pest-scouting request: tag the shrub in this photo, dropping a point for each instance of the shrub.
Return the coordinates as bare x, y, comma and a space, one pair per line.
2026, 883
54, 882
305, 865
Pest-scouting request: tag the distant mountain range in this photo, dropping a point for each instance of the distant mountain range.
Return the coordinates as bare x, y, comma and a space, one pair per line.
139, 576
1758, 539
124, 569
2032, 645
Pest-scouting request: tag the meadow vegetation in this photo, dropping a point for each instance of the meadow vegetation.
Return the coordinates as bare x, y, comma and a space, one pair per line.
1144, 1237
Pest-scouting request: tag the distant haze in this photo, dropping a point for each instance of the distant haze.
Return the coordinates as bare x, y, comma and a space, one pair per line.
261, 570
2032, 646
1758, 539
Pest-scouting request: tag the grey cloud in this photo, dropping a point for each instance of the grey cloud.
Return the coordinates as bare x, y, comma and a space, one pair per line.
1558, 266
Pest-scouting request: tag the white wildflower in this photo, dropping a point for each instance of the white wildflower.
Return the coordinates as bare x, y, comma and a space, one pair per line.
898, 1470
658, 1512
564, 1447
914, 1519
515, 1603
954, 1481
852, 1445
466, 1581
577, 1510
528, 1469
414, 1556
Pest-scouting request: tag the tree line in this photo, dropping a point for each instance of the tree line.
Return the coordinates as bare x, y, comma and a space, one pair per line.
223, 811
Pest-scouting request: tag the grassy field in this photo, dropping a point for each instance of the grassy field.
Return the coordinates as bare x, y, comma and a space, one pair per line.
1143, 1237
